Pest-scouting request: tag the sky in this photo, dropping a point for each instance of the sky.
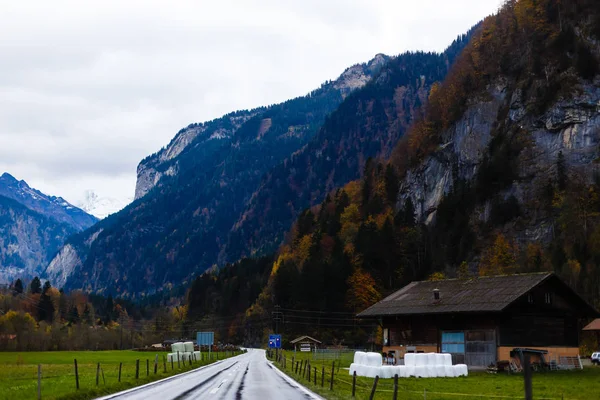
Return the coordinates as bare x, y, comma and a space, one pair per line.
90, 88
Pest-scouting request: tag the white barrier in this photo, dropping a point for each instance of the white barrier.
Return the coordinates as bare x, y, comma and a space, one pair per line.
421, 365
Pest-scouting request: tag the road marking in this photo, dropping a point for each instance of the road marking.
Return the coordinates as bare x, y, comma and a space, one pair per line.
215, 390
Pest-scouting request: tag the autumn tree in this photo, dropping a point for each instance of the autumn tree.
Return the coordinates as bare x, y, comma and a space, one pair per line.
362, 291
499, 259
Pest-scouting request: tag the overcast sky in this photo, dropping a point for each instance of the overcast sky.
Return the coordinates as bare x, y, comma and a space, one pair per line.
89, 88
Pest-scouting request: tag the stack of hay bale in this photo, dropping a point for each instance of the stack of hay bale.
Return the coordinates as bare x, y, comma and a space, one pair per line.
421, 365
183, 351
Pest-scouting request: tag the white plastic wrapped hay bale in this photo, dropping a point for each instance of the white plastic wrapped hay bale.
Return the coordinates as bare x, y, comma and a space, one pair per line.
197, 356
409, 359
431, 371
409, 370
460, 370
447, 359
188, 347
172, 357
372, 371
440, 371
353, 368
449, 371
177, 347
374, 360
387, 372
421, 371
401, 371
420, 359
431, 359
359, 357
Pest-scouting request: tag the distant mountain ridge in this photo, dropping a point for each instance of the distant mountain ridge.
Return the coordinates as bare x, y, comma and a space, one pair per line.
54, 207
189, 194
33, 226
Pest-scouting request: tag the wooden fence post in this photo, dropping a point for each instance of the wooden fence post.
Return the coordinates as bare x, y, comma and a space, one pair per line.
120, 366
374, 387
155, 364
97, 374
165, 363
102, 372
178, 363
354, 384
527, 377
39, 392
332, 371
395, 387
308, 365
323, 377
76, 375
171, 362
296, 370
315, 376
137, 369
147, 367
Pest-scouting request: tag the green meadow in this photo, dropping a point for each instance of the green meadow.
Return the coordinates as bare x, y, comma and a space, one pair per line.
19, 371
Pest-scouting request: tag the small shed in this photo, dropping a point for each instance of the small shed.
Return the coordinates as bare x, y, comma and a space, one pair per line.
594, 326
305, 343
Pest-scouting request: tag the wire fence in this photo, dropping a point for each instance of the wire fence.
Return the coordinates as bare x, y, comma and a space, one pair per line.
322, 375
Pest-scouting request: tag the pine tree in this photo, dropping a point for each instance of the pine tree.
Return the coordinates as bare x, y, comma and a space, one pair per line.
46, 287
36, 286
73, 316
18, 289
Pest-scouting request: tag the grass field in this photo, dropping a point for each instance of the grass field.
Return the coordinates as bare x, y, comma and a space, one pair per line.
18, 373
569, 385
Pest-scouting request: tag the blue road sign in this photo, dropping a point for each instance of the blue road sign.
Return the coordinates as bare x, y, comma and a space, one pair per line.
274, 341
205, 338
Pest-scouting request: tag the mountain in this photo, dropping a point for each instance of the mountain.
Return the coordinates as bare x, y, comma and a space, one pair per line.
367, 124
56, 208
101, 207
190, 194
33, 226
499, 175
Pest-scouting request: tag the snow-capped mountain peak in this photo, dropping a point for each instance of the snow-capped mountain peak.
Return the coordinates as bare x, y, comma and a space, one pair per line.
101, 207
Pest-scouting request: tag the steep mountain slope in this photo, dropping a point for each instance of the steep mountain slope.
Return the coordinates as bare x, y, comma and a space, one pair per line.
193, 191
368, 124
101, 207
56, 208
33, 226
498, 176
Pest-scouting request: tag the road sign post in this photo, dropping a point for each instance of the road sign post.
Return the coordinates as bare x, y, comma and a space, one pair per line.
205, 339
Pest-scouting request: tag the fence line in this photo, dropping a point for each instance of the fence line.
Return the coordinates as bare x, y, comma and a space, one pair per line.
384, 387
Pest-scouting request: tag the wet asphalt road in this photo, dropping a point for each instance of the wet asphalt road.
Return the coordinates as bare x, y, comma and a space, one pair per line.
248, 376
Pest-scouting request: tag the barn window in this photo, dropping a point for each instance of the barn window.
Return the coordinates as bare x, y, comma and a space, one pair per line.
548, 298
530, 298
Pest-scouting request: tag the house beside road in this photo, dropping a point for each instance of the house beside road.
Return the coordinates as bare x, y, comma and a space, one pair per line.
481, 320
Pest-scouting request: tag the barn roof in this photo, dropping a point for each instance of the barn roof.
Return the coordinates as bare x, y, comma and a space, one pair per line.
482, 294
593, 326
302, 338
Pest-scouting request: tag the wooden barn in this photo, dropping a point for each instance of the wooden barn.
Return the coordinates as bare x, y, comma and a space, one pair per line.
481, 320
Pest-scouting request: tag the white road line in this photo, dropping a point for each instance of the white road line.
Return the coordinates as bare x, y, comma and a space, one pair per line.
215, 390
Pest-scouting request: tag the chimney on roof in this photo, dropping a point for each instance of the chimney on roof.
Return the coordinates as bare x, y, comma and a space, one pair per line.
436, 294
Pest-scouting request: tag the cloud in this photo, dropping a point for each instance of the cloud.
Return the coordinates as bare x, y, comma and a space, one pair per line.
88, 89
